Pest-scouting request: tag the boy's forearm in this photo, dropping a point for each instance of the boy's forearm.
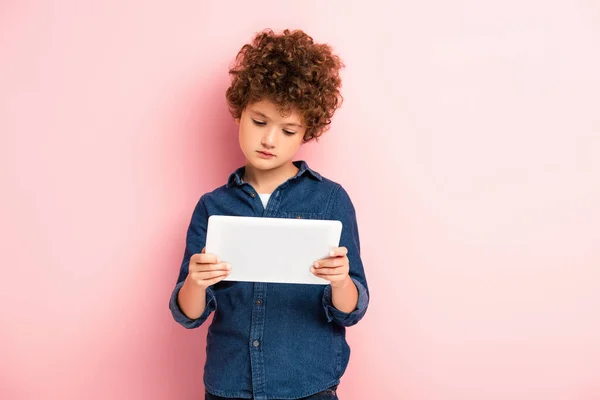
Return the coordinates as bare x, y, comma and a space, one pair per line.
192, 299
345, 297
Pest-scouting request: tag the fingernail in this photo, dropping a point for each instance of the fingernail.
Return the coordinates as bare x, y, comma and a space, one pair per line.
331, 253
228, 266
316, 265
218, 260
312, 269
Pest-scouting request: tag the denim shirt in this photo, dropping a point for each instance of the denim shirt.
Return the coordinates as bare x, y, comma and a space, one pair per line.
275, 340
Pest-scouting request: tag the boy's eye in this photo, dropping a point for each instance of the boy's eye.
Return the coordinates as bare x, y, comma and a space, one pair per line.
263, 123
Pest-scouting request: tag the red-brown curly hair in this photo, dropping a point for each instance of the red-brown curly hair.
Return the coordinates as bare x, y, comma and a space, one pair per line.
290, 70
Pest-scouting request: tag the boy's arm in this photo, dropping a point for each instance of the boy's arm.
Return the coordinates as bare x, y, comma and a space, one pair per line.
346, 302
345, 296
191, 299
190, 304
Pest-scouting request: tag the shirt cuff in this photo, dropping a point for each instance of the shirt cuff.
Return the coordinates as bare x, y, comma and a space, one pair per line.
184, 320
343, 318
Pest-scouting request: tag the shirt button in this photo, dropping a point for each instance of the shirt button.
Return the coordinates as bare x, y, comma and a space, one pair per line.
259, 302
252, 195
299, 216
256, 343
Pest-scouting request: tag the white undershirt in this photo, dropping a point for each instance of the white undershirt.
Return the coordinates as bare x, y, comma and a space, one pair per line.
264, 197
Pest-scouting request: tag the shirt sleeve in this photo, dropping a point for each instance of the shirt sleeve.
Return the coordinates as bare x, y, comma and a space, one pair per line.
343, 210
195, 242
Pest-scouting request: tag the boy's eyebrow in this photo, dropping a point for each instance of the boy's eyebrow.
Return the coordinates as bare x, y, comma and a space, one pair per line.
266, 117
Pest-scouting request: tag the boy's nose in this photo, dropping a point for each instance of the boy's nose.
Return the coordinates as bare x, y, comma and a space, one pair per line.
268, 138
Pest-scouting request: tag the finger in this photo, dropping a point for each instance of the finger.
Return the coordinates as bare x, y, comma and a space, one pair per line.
331, 271
317, 273
197, 257
214, 280
331, 262
204, 250
338, 252
211, 267
203, 276
205, 258
329, 278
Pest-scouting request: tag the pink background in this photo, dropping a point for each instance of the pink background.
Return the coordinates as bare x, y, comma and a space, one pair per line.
469, 141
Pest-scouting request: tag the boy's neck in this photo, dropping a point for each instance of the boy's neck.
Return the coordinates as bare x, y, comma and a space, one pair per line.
266, 181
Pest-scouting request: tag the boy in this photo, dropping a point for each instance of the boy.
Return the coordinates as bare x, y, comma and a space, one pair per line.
276, 341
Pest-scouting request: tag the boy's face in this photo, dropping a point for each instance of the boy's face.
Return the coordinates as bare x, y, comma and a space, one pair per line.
263, 129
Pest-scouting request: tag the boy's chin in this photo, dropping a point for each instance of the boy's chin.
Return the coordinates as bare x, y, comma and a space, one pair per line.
265, 165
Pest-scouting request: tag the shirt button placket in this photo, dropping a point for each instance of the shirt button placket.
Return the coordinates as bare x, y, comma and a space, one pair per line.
257, 363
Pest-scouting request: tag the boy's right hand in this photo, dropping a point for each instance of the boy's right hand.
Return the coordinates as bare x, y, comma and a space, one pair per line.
207, 269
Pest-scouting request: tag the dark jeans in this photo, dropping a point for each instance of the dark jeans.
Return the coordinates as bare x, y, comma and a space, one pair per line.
328, 394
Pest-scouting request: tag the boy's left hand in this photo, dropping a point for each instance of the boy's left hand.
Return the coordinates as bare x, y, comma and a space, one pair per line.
335, 268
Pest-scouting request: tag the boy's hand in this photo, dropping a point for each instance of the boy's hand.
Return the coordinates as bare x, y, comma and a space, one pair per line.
207, 269
335, 268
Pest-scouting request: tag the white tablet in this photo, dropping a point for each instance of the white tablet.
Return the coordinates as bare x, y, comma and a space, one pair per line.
279, 250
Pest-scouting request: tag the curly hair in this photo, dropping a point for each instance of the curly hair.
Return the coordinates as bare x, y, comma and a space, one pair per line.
290, 70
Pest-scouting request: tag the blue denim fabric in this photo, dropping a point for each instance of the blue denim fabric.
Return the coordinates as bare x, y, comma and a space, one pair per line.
273, 340
329, 394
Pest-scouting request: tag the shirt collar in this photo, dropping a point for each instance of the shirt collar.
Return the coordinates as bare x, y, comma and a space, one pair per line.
235, 179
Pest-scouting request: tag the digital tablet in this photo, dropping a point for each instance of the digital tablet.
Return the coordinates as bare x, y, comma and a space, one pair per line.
277, 250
